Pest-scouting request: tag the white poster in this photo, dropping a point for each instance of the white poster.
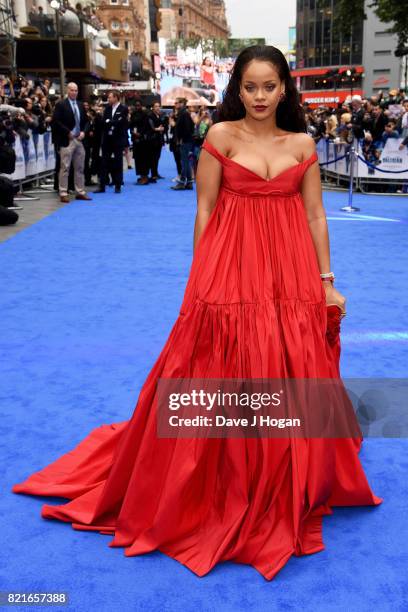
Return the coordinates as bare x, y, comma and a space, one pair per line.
20, 170
49, 152
31, 162
391, 159
50, 163
40, 154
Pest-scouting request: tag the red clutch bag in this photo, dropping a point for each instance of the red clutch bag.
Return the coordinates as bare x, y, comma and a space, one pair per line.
333, 323
333, 345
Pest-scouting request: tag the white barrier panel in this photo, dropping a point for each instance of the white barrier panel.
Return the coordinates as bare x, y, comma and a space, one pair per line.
391, 158
20, 170
40, 154
50, 165
31, 160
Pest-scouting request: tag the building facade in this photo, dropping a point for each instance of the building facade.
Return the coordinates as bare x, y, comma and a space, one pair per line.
382, 70
126, 21
194, 19
331, 66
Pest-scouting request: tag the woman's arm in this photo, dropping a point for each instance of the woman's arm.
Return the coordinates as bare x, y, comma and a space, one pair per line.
311, 192
316, 216
208, 180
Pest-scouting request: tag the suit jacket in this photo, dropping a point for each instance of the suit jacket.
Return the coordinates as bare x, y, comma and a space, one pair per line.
115, 129
63, 121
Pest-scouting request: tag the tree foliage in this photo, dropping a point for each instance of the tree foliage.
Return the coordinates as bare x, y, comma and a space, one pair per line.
393, 12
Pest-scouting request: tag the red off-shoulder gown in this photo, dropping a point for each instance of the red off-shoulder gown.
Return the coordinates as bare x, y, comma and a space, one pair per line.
254, 307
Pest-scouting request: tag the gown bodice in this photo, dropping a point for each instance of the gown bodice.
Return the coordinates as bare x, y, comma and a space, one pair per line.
241, 180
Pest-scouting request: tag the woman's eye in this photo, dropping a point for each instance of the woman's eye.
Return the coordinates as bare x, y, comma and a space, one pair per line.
268, 88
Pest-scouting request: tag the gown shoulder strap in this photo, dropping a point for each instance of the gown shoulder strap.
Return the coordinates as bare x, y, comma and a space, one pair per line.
211, 149
314, 157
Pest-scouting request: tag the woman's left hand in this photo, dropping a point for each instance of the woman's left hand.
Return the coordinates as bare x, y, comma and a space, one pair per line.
334, 297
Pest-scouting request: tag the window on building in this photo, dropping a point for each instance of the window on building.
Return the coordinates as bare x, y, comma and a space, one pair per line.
126, 25
383, 52
383, 33
114, 1
115, 25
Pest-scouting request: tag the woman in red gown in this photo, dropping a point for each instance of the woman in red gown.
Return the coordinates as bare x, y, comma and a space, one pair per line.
255, 306
207, 75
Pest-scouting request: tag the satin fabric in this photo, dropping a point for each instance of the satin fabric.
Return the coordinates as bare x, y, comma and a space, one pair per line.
254, 306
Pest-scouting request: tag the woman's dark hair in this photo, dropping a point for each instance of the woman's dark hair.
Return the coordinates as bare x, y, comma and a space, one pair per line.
290, 114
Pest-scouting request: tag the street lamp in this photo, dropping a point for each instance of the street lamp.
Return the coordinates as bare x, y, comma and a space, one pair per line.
56, 5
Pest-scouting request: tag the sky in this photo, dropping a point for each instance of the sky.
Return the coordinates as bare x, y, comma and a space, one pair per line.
261, 18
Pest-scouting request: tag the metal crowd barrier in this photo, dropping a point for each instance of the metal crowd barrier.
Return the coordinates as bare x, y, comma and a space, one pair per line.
354, 172
35, 163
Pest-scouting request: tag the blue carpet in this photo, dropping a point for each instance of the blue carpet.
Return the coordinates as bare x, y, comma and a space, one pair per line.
88, 298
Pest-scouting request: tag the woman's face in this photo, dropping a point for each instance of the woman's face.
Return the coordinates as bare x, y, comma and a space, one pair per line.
260, 89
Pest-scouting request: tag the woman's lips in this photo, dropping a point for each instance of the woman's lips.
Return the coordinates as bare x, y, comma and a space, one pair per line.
260, 108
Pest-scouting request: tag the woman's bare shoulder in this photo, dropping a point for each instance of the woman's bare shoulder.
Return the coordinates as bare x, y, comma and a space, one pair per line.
303, 143
219, 135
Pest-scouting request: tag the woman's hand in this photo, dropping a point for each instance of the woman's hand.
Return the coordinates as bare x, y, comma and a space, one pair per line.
334, 297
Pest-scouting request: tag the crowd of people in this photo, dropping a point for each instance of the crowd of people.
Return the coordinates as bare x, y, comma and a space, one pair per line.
94, 139
371, 120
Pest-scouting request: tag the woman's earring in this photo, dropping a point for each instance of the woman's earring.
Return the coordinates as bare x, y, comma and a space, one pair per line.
282, 96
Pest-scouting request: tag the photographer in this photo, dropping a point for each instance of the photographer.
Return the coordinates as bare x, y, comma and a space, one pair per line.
7, 166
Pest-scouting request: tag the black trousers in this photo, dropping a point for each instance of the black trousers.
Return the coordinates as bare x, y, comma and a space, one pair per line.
112, 162
141, 155
155, 152
177, 158
87, 167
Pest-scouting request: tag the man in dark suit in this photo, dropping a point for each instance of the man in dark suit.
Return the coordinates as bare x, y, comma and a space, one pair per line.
68, 123
114, 140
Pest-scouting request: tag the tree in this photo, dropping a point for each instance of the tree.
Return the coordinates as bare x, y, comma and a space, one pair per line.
350, 12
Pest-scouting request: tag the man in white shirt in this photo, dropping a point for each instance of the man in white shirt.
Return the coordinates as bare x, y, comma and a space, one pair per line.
114, 141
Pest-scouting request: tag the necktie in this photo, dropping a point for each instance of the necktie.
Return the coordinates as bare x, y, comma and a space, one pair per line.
77, 120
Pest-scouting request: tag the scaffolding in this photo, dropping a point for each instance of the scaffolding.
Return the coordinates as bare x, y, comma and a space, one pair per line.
7, 39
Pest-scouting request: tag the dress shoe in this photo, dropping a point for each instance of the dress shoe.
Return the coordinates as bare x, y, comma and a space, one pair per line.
189, 187
152, 180
117, 189
82, 196
143, 181
100, 190
178, 187
159, 176
64, 199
